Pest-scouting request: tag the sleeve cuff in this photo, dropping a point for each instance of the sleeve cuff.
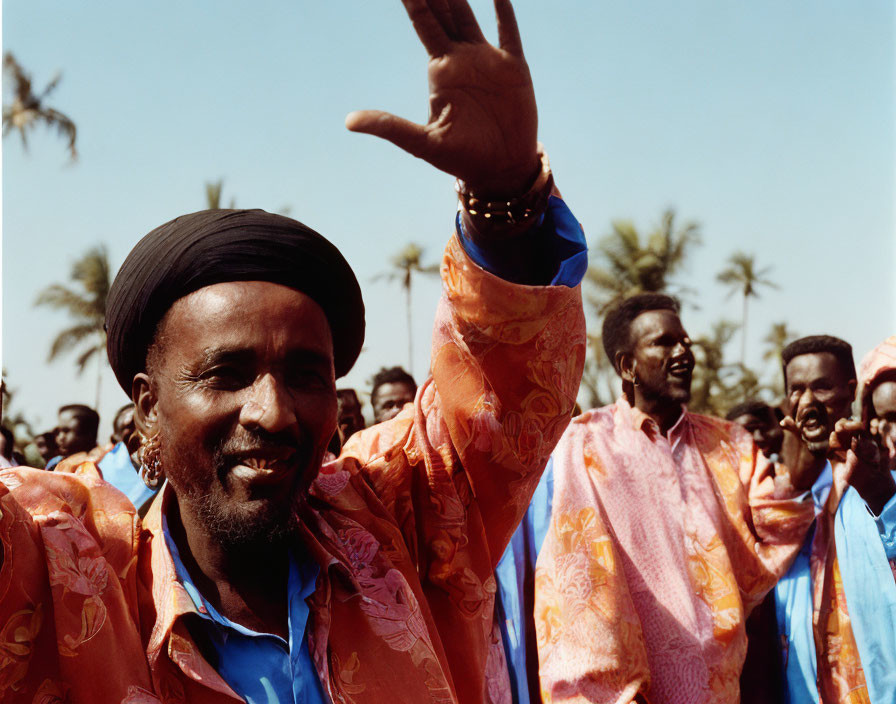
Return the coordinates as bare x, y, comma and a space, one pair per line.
557, 235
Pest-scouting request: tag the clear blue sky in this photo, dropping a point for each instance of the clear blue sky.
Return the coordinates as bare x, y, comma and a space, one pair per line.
772, 124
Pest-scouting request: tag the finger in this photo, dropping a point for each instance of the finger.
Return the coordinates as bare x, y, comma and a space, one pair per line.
850, 425
789, 424
402, 133
428, 27
468, 28
508, 30
442, 11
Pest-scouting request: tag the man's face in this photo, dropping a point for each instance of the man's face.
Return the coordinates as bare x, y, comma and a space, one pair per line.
244, 399
71, 436
123, 428
819, 393
661, 362
349, 416
390, 398
765, 430
883, 399
46, 449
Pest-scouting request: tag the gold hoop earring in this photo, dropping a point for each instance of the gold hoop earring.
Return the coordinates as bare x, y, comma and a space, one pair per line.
151, 461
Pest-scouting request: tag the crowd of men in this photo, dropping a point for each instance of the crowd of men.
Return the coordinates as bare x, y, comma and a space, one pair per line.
243, 537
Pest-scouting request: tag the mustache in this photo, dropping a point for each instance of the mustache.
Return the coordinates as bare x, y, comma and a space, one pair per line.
818, 413
258, 441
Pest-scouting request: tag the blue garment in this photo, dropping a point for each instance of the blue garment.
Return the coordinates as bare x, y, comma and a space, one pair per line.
558, 234
864, 545
53, 462
515, 598
119, 471
261, 667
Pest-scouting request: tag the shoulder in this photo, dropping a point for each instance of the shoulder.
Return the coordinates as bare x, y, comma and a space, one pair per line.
592, 417
723, 429
713, 434
81, 506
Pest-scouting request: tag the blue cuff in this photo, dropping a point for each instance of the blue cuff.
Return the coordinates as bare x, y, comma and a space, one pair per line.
557, 234
886, 526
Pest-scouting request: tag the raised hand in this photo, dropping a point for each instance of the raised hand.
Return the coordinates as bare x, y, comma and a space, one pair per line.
803, 466
866, 466
483, 122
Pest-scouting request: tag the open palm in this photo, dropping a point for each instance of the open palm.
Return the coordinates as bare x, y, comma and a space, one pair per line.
483, 122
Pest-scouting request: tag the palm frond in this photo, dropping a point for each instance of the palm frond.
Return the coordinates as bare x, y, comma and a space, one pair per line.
70, 337
86, 356
59, 297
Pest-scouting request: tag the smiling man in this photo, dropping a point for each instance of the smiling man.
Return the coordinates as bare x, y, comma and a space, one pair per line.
656, 531
263, 573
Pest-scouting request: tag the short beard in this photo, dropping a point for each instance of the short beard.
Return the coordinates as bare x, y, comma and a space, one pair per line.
247, 530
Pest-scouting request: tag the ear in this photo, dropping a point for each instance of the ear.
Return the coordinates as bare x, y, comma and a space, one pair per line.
145, 405
625, 365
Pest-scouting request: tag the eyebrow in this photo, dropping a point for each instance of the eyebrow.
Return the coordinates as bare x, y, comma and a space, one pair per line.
298, 357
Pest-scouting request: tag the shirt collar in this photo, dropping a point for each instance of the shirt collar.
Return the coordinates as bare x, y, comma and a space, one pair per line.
821, 489
301, 581
636, 418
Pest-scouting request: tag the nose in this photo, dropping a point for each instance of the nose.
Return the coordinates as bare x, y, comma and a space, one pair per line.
804, 400
269, 406
682, 348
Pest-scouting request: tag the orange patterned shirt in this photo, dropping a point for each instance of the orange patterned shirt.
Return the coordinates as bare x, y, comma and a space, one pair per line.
407, 526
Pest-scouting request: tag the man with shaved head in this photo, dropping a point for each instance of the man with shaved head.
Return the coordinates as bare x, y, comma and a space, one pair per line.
263, 572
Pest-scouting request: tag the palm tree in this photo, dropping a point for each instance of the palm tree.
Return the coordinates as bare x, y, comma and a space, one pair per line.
626, 265
87, 308
213, 194
710, 371
743, 277
405, 264
779, 336
27, 109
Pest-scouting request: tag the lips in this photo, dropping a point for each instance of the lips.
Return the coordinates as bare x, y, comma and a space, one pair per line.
681, 370
270, 468
811, 424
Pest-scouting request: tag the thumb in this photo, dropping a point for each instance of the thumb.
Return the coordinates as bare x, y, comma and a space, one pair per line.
402, 133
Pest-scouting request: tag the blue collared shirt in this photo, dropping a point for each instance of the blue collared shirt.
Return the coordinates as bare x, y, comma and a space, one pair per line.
261, 667
119, 471
865, 546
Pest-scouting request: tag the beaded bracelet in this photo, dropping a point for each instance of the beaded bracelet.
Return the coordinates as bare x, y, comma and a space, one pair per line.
500, 214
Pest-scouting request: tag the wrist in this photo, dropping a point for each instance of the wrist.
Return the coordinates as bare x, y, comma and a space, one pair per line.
496, 215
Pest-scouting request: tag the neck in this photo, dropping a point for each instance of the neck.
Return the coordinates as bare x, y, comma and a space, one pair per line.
247, 586
663, 412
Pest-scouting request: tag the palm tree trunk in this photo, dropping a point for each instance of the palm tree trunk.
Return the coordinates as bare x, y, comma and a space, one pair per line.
743, 336
410, 332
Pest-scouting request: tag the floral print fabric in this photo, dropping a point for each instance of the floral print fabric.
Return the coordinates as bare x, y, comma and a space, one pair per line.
657, 549
407, 526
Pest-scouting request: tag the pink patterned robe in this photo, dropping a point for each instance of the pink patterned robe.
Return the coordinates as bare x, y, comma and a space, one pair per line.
657, 549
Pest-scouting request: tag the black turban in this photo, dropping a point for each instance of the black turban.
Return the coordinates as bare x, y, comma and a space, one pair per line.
216, 246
